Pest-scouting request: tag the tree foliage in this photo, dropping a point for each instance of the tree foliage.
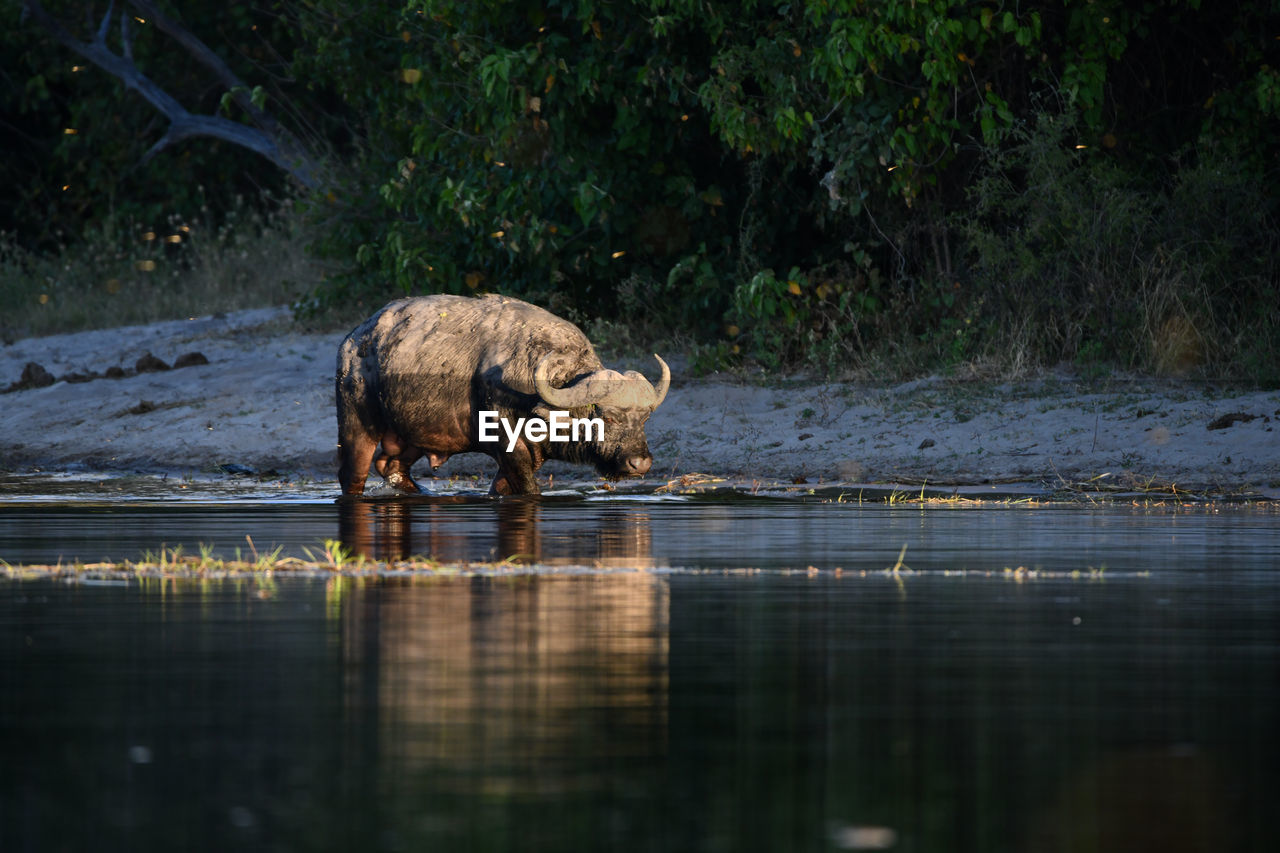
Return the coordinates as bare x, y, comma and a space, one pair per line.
76, 141
789, 173
790, 180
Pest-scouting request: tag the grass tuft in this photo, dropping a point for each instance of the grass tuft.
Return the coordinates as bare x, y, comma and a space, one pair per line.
125, 273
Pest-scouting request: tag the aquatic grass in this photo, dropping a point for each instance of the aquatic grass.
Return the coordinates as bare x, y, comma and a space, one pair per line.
336, 554
207, 560
265, 575
689, 481
912, 491
269, 561
1100, 487
331, 558
164, 556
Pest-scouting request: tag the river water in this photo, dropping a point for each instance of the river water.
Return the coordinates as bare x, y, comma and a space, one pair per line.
649, 673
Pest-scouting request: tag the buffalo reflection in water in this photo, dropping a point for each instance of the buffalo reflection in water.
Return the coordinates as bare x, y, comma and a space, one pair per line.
519, 686
494, 680
524, 530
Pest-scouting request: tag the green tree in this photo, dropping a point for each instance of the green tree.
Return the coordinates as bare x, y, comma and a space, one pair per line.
797, 180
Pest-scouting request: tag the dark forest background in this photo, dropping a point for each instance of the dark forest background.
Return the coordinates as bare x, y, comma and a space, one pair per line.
840, 185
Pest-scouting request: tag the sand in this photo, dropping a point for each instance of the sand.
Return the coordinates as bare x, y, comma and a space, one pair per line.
264, 404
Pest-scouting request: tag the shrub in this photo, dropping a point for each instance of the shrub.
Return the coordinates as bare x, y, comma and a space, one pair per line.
1097, 264
127, 272
826, 183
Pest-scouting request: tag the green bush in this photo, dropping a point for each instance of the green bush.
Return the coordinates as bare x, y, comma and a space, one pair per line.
545, 150
1094, 265
901, 186
879, 153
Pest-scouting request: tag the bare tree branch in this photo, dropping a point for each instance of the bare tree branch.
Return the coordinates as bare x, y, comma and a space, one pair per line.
269, 139
106, 22
126, 37
206, 57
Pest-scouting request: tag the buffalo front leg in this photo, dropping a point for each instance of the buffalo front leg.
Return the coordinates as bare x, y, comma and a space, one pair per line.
516, 473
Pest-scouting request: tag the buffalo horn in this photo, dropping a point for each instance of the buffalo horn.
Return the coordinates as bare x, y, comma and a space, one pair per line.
560, 398
660, 390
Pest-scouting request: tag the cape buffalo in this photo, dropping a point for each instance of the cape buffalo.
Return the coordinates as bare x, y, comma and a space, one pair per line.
417, 375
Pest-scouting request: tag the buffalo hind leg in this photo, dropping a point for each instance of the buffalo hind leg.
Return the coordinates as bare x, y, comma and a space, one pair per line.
395, 460
395, 470
355, 453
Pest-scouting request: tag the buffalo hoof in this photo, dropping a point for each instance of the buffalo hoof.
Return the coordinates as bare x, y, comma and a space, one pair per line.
402, 482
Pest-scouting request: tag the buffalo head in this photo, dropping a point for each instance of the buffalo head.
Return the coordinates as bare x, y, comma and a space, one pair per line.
623, 401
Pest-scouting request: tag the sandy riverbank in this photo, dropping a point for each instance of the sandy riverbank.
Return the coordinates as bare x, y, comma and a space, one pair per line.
264, 401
